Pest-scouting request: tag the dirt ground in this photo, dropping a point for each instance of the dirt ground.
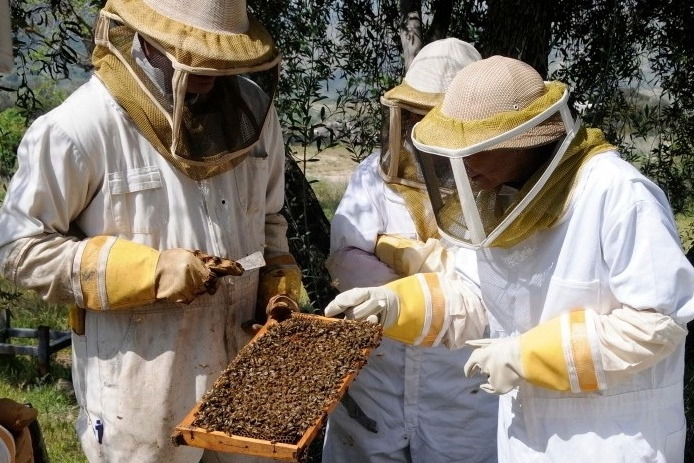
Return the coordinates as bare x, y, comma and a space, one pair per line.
332, 165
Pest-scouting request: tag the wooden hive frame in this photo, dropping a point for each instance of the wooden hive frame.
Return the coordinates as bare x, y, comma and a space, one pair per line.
186, 434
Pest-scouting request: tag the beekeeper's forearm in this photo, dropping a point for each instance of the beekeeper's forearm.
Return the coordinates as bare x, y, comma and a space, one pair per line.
43, 263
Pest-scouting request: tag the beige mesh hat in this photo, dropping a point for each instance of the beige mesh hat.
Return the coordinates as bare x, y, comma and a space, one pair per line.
430, 73
489, 98
203, 35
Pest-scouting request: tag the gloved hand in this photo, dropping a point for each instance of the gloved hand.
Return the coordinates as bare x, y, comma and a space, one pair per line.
408, 256
377, 304
115, 273
181, 275
426, 309
279, 290
279, 307
499, 360
578, 351
280, 275
220, 266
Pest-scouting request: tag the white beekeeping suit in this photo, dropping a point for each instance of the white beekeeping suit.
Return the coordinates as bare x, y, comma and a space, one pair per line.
166, 150
416, 398
5, 37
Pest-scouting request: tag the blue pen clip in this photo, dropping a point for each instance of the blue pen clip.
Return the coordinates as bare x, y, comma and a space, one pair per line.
99, 430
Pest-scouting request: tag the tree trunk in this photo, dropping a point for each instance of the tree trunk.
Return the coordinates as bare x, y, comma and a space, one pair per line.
438, 29
410, 29
308, 235
519, 29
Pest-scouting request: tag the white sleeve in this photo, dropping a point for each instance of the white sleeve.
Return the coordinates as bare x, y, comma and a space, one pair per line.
355, 268
643, 252
275, 223
468, 317
632, 340
47, 193
360, 216
354, 229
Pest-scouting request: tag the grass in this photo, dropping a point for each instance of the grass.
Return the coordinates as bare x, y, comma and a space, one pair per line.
685, 225
51, 394
329, 195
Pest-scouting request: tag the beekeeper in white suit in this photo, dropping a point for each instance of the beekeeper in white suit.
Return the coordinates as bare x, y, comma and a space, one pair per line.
167, 150
579, 265
409, 403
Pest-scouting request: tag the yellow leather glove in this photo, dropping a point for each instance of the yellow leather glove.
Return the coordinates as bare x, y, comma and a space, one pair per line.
280, 307
119, 274
579, 351
280, 276
180, 276
408, 256
426, 309
279, 290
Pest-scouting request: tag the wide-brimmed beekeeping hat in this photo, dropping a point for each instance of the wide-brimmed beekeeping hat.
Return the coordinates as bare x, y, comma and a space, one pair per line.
489, 98
430, 72
206, 35
422, 88
201, 135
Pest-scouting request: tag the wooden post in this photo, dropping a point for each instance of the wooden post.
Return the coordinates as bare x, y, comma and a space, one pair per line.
4, 325
44, 353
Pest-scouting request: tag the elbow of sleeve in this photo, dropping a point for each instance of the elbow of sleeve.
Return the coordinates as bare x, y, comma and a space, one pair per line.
633, 340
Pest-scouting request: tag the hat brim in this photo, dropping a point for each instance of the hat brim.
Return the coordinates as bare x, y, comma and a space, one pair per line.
437, 129
409, 97
253, 50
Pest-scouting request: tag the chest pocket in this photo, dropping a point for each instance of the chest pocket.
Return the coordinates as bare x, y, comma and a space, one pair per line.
252, 181
137, 200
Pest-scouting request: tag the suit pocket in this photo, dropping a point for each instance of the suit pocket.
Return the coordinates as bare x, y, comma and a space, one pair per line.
137, 199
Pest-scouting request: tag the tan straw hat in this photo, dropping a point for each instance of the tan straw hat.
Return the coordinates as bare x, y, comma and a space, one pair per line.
430, 73
488, 98
200, 34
